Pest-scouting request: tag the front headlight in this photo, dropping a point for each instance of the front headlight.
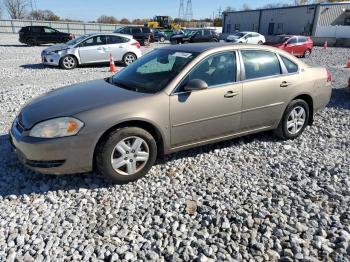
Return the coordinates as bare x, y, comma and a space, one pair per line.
57, 127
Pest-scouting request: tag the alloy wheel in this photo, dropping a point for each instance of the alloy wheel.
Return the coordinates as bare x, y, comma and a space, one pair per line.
69, 62
129, 59
296, 120
130, 155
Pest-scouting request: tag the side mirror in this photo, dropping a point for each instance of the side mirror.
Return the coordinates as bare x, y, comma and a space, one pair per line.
195, 84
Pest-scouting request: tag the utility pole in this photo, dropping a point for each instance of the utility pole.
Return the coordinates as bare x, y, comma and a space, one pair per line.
189, 10
182, 10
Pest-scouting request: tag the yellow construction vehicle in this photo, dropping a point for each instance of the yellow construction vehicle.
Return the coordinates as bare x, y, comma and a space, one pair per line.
162, 22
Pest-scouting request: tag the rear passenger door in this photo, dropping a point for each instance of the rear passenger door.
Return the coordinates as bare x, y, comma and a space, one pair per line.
263, 94
292, 46
38, 34
116, 46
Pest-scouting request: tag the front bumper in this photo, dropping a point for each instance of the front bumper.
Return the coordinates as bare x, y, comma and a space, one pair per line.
50, 59
67, 155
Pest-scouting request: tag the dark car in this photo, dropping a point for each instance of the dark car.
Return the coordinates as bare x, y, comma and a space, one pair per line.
140, 33
159, 36
35, 35
195, 36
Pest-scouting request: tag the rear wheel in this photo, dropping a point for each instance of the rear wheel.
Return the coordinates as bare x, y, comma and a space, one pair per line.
129, 58
162, 39
68, 62
260, 42
126, 155
31, 42
294, 120
307, 53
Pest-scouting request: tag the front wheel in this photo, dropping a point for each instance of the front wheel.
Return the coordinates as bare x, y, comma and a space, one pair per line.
260, 42
307, 53
126, 155
294, 120
162, 39
31, 42
129, 58
68, 62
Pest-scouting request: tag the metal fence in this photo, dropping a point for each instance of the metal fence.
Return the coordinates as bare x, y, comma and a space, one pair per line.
77, 28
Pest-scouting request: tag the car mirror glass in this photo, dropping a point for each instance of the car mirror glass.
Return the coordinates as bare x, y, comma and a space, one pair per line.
195, 84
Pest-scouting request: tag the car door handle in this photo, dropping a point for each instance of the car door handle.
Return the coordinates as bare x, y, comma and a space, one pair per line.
285, 84
230, 94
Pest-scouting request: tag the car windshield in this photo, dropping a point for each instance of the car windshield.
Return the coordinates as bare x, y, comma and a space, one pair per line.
77, 40
279, 39
154, 71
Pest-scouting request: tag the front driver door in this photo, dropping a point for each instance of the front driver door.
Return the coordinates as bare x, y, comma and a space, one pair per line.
211, 113
94, 50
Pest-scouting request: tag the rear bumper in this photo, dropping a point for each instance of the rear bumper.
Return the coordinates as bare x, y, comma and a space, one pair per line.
58, 156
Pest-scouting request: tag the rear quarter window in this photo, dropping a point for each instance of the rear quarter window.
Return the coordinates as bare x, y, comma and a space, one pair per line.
258, 64
290, 65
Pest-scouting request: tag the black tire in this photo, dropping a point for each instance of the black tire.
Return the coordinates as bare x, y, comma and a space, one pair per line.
65, 40
68, 66
162, 39
282, 129
307, 53
31, 42
127, 58
107, 147
214, 40
260, 42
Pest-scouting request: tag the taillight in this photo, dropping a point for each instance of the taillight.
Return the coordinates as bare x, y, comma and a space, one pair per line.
329, 76
137, 44
71, 36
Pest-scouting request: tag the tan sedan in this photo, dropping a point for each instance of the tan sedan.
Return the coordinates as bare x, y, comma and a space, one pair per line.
171, 99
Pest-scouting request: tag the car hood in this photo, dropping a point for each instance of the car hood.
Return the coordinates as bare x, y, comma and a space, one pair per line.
56, 48
71, 100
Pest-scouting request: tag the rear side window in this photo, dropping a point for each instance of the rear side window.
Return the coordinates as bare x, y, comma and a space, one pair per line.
291, 66
207, 32
38, 30
259, 64
113, 39
146, 30
24, 30
136, 30
302, 39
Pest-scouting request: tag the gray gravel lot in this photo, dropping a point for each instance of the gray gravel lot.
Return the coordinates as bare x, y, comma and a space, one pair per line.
254, 198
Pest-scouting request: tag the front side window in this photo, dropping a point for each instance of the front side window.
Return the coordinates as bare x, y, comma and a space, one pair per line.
94, 41
259, 64
49, 30
291, 66
38, 30
292, 41
216, 70
136, 30
154, 71
207, 32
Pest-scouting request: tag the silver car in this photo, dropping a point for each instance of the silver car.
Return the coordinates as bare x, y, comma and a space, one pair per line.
92, 49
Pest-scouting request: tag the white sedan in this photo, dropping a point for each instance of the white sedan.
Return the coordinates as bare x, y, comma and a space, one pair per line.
246, 37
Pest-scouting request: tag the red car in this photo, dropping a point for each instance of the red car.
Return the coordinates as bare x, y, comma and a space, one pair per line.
295, 44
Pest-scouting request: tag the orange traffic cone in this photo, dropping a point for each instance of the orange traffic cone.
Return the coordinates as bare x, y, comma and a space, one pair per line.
325, 46
348, 64
112, 67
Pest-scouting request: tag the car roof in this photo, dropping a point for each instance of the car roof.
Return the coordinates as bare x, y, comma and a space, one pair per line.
202, 47
116, 34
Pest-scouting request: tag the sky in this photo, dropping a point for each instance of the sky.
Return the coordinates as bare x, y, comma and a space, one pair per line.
89, 10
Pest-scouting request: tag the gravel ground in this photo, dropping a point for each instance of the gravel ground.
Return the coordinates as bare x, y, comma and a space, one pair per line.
255, 198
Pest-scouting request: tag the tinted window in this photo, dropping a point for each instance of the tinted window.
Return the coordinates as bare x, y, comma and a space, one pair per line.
38, 30
152, 72
291, 66
113, 39
96, 40
293, 40
207, 32
260, 64
136, 30
302, 39
24, 30
126, 30
216, 70
146, 30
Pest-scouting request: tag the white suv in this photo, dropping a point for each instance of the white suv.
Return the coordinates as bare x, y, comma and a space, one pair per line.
246, 37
